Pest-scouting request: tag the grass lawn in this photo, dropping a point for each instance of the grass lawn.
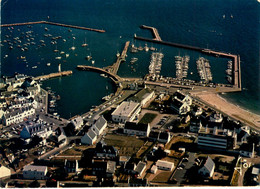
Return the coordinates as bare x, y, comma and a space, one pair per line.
148, 118
127, 145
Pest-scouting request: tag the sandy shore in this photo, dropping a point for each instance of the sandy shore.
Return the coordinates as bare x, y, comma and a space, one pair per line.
230, 109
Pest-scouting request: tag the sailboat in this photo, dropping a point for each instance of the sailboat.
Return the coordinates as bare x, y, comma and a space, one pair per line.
56, 50
84, 44
89, 57
73, 47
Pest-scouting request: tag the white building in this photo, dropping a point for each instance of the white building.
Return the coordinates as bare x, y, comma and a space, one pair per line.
126, 111
183, 97
17, 115
99, 126
4, 172
138, 129
208, 168
179, 106
140, 168
89, 138
165, 165
142, 97
41, 130
77, 122
154, 169
34, 172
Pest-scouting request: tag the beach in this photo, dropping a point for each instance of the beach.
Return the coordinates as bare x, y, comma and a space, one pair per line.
234, 111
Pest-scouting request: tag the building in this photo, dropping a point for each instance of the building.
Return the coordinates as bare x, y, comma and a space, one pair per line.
215, 120
138, 129
195, 124
183, 97
196, 111
208, 168
17, 115
99, 125
247, 150
179, 106
104, 151
243, 134
34, 172
217, 138
140, 168
77, 122
164, 165
164, 137
39, 129
89, 138
103, 169
71, 166
126, 111
61, 136
136, 182
4, 172
142, 97
154, 169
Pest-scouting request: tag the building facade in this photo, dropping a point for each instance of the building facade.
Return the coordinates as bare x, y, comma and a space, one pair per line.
34, 172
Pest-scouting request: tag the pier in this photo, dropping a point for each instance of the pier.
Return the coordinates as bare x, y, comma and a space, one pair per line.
99, 70
154, 32
236, 58
53, 75
114, 68
53, 23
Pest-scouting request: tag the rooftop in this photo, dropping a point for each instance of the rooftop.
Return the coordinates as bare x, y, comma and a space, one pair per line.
139, 96
35, 168
126, 108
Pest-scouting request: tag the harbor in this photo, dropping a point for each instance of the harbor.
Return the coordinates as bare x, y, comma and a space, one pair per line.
155, 64
182, 66
53, 75
203, 67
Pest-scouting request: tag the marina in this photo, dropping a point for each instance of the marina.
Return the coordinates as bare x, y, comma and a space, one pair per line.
155, 64
182, 66
203, 68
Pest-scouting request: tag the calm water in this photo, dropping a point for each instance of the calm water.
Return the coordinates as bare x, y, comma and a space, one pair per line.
193, 22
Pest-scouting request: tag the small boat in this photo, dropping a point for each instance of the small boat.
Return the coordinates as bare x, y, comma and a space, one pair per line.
84, 44
46, 29
48, 64
64, 40
62, 52
89, 57
117, 54
93, 61
22, 57
73, 48
58, 58
67, 55
34, 67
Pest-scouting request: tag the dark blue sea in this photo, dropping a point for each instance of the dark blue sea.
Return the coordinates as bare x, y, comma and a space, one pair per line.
225, 25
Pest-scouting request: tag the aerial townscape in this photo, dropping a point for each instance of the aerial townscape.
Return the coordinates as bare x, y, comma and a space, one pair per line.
150, 130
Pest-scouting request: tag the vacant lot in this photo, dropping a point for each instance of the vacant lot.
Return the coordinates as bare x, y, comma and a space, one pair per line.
127, 145
148, 118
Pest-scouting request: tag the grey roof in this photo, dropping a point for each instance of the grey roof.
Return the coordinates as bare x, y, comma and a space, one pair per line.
209, 164
17, 111
36, 128
91, 134
140, 166
34, 168
100, 122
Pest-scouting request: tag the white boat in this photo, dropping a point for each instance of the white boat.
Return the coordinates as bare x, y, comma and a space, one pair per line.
73, 47
89, 57
84, 44
67, 55
93, 61
48, 64
62, 52
34, 67
117, 54
58, 58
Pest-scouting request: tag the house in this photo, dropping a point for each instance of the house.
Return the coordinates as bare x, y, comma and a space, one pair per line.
77, 122
104, 169
247, 150
139, 129
104, 151
61, 136
142, 97
154, 169
208, 168
4, 172
164, 137
215, 120
89, 138
140, 168
123, 160
183, 97
164, 165
36, 129
243, 134
195, 124
34, 172
126, 111
71, 166
179, 106
99, 125
217, 138
136, 182
196, 111
17, 115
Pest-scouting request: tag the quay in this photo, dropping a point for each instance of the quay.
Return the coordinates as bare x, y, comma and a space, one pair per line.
114, 68
154, 32
53, 23
236, 58
53, 75
99, 70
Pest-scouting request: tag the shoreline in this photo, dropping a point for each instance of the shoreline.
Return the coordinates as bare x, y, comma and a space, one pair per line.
234, 111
